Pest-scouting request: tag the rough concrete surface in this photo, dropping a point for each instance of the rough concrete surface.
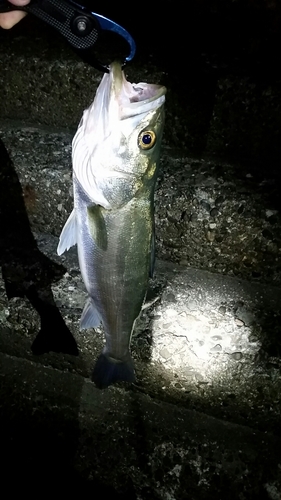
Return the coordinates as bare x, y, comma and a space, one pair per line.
202, 420
61, 431
210, 214
205, 342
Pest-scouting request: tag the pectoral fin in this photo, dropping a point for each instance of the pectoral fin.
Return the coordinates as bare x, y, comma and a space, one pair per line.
97, 226
68, 234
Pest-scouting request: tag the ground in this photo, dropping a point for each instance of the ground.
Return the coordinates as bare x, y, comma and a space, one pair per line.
202, 420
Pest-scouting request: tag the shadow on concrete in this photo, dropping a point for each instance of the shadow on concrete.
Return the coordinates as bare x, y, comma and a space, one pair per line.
26, 271
40, 435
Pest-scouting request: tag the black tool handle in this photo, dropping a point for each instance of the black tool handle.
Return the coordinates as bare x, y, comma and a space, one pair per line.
77, 25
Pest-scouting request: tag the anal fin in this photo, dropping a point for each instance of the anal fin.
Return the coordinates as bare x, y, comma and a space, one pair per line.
90, 317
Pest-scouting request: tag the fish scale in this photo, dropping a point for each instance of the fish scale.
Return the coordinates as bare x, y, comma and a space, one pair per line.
115, 163
118, 280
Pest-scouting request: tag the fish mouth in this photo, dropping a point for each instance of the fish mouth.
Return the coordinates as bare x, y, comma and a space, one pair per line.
132, 95
118, 108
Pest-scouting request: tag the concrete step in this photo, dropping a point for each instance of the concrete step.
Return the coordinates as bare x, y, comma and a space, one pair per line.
204, 331
59, 432
232, 111
203, 419
210, 214
205, 342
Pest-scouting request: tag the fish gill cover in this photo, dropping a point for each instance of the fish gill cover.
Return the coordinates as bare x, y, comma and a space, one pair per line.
119, 106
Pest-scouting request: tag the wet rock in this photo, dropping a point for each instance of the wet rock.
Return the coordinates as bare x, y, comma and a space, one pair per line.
219, 201
214, 212
216, 348
273, 219
211, 236
193, 218
239, 322
170, 297
216, 337
165, 353
205, 204
267, 234
244, 315
237, 356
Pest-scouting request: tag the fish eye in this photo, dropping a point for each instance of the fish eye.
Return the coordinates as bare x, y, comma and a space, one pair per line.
147, 139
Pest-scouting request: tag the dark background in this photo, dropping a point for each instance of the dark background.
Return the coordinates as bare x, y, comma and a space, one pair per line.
220, 61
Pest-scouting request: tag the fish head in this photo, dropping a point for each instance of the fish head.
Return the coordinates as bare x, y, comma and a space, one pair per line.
120, 135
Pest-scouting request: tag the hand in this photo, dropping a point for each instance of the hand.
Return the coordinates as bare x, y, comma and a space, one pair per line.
9, 19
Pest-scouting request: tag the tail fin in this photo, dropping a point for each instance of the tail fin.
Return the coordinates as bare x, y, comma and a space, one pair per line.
107, 371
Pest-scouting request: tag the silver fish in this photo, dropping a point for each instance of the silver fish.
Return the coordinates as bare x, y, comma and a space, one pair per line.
115, 155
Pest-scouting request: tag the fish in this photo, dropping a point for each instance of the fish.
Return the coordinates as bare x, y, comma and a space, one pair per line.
115, 159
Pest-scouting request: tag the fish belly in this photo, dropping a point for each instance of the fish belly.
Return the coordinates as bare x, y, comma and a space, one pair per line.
115, 265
